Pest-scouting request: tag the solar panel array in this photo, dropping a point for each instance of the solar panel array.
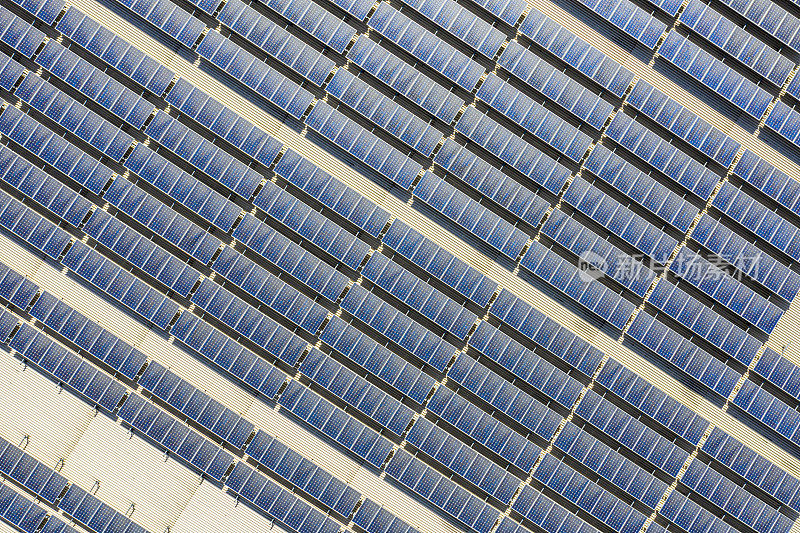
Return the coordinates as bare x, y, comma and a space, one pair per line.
364, 325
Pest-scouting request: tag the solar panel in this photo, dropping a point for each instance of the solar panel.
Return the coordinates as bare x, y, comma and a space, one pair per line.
88, 335
714, 74
332, 193
182, 187
18, 34
690, 516
505, 397
10, 72
248, 321
32, 228
546, 514
426, 46
276, 41
7, 324
335, 423
398, 327
32, 474
176, 437
779, 371
364, 145
769, 180
357, 391
291, 258
794, 87
196, 404
67, 368
641, 188
512, 150
523, 363
312, 225
45, 10
453, 454
684, 123
771, 18
302, 473
377, 359
441, 492
224, 122
228, 355
771, 411
593, 249
19, 511
115, 51
576, 52
87, 509
357, 8
373, 518
169, 18
738, 43
631, 19
470, 215
785, 121
671, 346
16, 288
662, 156
120, 284
162, 219
384, 112
461, 23
509, 11
439, 263
405, 79
270, 290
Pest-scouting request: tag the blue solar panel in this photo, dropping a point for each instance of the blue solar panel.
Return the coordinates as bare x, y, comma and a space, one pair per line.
7, 324
19, 511
18, 34
54, 149
335, 423
248, 321
641, 188
377, 359
576, 52
357, 391
575, 283
555, 85
684, 123
483, 428
87, 509
593, 249
631, 19
507, 398
142, 252
302, 473
439, 263
31, 227
228, 354
461, 23
512, 150
779, 371
738, 43
202, 154
670, 345
691, 517
662, 156
405, 79
162, 219
398, 327
463, 460
66, 367
426, 46
631, 433
716, 75
441, 492
509, 11
772, 411
169, 18
357, 8
362, 144
771, 18
611, 465
10, 72
489, 181
95, 84
753, 467
794, 87
769, 180
196, 405
254, 73
419, 295
278, 502
120, 284
373, 518
276, 41
534, 117
224, 122
88, 335
45, 10
270, 290
546, 332
182, 187
32, 474
470, 215
546, 514
384, 112
115, 51
17, 289
785, 121
176, 436
291, 258
523, 363
332, 193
